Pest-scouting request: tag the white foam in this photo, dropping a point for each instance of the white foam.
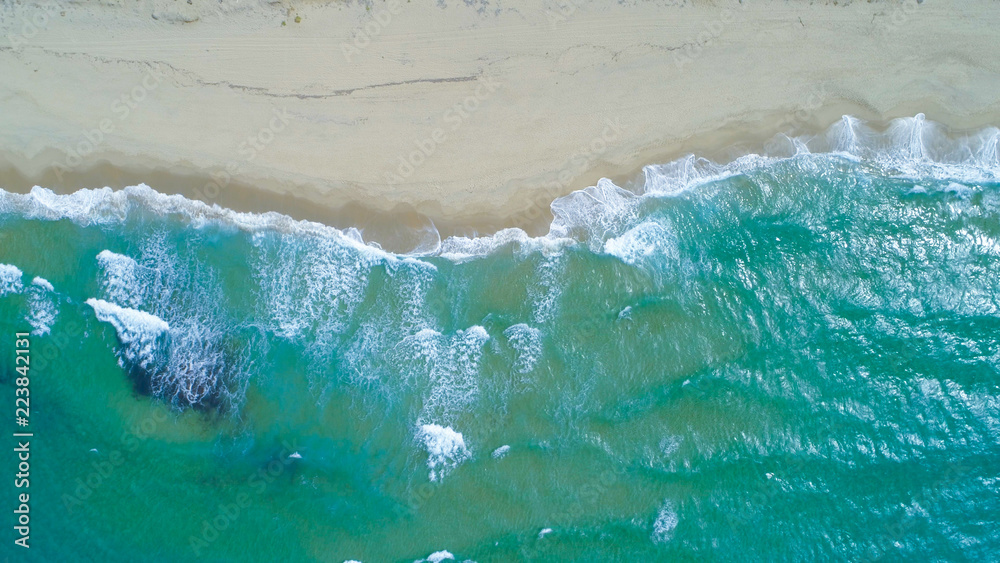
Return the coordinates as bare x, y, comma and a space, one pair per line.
184, 361
461, 249
909, 147
398, 343
916, 148
10, 279
138, 331
452, 366
674, 178
106, 206
665, 523
547, 288
960, 190
198, 360
527, 344
843, 136
124, 279
42, 283
85, 207
311, 287
642, 242
128, 320
592, 213
195, 364
425, 344
42, 306
501, 451
436, 557
445, 448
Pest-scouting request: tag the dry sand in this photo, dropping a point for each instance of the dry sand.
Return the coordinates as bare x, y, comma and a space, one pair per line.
468, 112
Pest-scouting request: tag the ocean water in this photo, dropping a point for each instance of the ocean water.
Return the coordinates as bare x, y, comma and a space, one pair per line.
792, 356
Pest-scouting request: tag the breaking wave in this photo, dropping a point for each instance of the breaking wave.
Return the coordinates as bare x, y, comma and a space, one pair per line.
912, 147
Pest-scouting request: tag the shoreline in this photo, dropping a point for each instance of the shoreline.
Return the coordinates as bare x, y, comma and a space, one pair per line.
498, 112
394, 230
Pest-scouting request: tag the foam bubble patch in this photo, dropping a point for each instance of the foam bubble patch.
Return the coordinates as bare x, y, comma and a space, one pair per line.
527, 344
140, 333
10, 279
42, 306
445, 449
665, 523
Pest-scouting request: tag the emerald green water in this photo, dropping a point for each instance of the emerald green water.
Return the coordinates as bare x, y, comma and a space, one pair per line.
777, 359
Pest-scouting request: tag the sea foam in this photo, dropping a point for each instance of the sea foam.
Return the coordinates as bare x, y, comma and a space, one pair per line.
445, 449
527, 344
910, 147
42, 283
10, 279
140, 333
643, 242
183, 362
453, 375
124, 279
311, 287
436, 557
42, 306
665, 523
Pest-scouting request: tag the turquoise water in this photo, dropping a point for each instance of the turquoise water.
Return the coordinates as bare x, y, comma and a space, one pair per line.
787, 357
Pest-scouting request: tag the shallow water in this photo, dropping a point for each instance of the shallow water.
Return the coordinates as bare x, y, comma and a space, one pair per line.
786, 357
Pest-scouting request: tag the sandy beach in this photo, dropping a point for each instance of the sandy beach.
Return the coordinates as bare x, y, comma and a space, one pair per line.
472, 115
